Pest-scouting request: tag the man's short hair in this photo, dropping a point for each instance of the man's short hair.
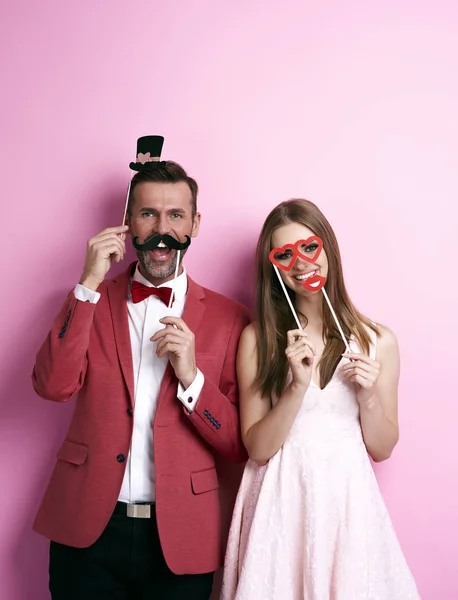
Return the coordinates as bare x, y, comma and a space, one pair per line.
171, 172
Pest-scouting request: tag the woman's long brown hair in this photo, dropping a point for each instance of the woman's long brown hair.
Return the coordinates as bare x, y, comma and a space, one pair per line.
273, 315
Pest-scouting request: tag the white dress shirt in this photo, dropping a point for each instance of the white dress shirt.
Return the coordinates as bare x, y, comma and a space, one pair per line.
139, 478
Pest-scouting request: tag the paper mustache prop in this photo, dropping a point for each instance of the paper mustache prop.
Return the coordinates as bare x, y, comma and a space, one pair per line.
153, 242
170, 242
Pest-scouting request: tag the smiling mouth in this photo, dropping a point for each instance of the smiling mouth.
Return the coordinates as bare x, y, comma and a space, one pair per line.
304, 276
161, 252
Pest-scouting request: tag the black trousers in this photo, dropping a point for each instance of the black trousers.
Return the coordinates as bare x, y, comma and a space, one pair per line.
125, 563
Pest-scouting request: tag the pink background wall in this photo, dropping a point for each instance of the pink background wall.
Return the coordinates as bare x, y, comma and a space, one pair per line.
349, 104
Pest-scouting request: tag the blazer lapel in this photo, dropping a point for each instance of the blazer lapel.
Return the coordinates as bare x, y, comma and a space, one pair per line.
194, 309
117, 296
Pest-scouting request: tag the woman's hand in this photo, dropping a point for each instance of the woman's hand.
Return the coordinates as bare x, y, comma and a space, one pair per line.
363, 371
300, 353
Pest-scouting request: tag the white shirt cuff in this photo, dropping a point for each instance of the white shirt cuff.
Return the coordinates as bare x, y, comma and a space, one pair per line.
190, 396
86, 295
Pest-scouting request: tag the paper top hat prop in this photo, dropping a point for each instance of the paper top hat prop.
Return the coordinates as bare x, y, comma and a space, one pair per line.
149, 148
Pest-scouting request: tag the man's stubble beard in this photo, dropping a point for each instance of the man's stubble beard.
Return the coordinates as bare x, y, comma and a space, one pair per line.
158, 271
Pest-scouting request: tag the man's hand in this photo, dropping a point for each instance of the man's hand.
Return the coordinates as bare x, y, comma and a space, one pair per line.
102, 249
177, 340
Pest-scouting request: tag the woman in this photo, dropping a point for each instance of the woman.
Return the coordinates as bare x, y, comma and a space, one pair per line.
309, 521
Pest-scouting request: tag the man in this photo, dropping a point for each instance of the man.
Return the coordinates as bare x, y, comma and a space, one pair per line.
132, 507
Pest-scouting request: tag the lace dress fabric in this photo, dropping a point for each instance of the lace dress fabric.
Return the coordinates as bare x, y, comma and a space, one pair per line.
311, 524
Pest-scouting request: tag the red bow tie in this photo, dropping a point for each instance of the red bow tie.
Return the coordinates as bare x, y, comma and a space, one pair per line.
140, 292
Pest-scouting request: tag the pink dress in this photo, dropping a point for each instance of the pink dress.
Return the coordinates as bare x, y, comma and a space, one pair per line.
311, 524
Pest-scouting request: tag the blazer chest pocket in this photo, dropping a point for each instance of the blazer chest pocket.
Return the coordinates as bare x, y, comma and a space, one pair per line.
73, 452
204, 481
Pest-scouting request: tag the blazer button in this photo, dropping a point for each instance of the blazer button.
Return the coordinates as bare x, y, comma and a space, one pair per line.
121, 458
130, 412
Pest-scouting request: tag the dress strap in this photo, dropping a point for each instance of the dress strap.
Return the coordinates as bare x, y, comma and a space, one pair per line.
354, 346
373, 346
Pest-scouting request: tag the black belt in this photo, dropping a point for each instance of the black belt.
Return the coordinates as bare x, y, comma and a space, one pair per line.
142, 510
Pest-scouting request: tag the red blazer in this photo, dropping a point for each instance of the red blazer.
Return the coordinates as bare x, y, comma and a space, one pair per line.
88, 352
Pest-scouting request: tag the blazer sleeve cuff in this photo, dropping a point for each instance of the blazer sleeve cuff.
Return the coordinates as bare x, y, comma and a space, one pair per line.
84, 294
190, 396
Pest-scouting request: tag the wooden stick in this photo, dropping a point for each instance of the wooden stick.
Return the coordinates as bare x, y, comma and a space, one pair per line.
127, 202
174, 278
287, 296
336, 320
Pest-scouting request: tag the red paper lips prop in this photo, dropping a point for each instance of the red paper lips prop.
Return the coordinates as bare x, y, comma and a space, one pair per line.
309, 250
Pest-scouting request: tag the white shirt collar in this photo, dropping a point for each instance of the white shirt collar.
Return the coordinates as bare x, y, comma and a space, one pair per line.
179, 285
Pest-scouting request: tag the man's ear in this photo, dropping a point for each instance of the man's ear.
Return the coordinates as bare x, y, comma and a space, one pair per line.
195, 225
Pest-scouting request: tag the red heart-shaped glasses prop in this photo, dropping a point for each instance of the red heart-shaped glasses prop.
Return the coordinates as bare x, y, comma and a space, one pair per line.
287, 263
